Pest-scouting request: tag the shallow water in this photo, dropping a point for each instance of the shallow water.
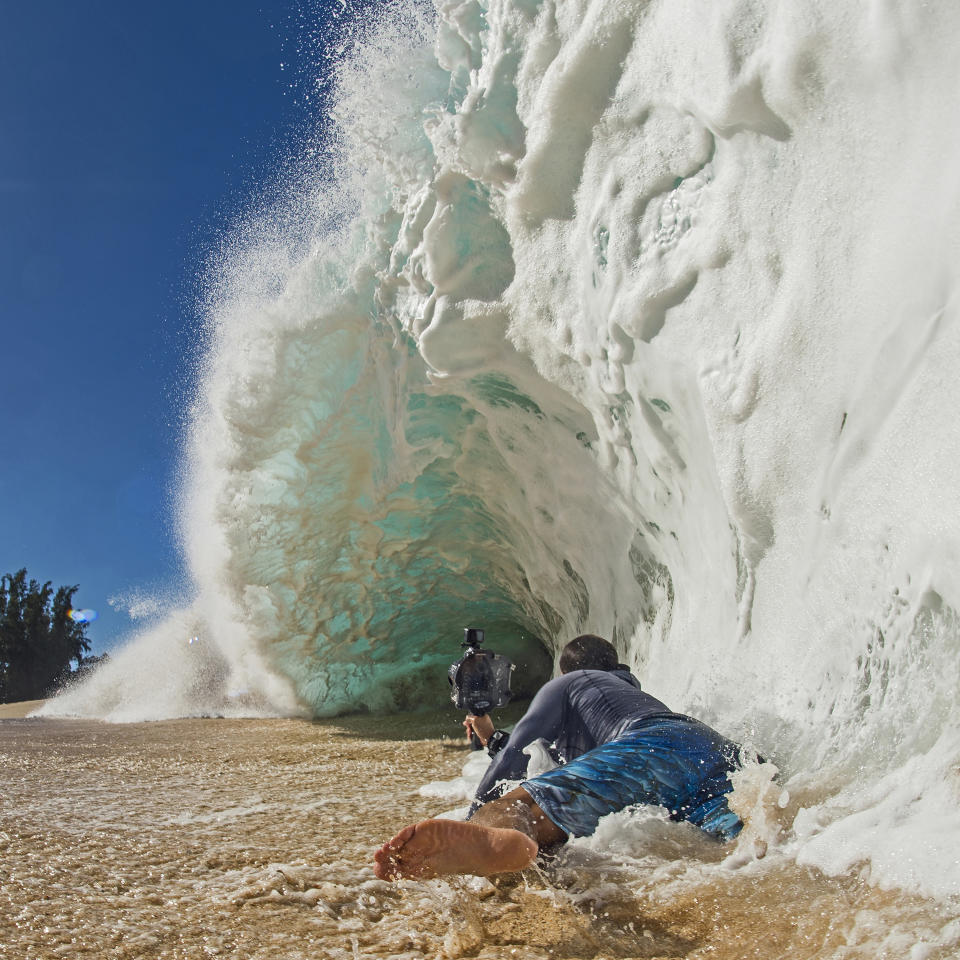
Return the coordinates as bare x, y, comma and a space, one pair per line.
253, 838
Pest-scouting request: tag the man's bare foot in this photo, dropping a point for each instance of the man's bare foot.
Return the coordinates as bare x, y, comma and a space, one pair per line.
434, 848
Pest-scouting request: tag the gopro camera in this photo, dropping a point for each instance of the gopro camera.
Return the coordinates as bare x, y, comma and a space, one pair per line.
480, 679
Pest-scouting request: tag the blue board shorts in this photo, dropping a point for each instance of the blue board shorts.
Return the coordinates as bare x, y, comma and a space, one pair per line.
669, 761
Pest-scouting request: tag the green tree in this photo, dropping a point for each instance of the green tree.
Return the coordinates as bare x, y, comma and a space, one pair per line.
38, 638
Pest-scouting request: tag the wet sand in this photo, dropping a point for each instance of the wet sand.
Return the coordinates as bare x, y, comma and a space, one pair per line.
254, 839
17, 711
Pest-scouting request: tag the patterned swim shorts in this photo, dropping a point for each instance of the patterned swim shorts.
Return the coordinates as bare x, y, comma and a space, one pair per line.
669, 761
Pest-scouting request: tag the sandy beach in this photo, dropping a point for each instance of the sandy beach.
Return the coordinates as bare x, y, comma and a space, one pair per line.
17, 711
254, 839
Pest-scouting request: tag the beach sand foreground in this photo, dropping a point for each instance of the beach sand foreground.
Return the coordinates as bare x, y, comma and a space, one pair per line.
254, 839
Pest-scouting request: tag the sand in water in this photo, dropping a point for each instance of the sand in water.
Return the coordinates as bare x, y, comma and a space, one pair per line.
254, 839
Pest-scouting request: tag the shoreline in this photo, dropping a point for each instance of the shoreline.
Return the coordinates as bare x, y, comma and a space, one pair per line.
18, 711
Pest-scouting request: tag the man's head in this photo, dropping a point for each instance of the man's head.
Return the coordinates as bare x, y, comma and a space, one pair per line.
588, 652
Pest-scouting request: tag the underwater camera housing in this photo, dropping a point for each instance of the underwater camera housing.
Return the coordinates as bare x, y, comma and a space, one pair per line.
480, 679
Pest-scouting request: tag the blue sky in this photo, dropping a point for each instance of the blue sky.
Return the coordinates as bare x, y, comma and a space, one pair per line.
129, 133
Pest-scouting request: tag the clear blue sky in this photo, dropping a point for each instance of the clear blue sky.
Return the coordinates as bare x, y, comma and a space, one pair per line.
128, 134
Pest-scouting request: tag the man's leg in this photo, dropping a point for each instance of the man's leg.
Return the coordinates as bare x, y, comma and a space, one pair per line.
669, 761
503, 836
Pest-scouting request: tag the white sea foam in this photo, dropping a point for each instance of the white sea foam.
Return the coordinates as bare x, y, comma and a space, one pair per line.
629, 316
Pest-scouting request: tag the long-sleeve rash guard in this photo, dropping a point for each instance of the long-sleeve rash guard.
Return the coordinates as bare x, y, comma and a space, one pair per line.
577, 711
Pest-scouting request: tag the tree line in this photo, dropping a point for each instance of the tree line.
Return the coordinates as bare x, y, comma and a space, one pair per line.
38, 638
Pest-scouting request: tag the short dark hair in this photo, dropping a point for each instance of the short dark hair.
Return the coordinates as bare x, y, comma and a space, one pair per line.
588, 652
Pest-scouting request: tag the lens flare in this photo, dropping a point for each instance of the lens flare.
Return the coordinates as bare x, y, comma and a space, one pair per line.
83, 616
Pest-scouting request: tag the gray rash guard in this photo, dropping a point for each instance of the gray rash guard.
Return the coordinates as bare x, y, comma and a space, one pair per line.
577, 711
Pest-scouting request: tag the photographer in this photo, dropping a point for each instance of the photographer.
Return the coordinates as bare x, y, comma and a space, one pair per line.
619, 747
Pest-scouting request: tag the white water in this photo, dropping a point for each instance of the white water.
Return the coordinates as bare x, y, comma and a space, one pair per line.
631, 317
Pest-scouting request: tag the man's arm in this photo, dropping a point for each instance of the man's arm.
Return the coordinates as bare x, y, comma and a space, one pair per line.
544, 718
480, 725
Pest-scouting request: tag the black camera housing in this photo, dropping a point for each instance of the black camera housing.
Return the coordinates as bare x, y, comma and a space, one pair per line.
480, 679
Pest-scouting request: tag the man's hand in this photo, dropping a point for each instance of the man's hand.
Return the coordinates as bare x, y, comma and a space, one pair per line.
482, 726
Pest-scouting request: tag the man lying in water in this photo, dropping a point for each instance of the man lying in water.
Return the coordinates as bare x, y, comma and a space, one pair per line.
622, 747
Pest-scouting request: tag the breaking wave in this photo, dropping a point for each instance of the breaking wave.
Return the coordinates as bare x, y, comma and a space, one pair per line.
624, 316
